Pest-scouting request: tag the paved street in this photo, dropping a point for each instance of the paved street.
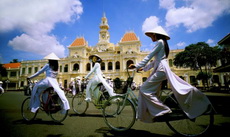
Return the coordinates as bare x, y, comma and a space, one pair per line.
92, 124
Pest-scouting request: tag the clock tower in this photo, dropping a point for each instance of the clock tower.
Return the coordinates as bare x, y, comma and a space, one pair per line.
103, 35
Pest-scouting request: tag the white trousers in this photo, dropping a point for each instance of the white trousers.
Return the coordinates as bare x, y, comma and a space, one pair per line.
149, 105
92, 85
43, 85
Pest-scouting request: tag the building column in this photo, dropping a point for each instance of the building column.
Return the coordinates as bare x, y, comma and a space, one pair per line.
106, 66
114, 66
222, 79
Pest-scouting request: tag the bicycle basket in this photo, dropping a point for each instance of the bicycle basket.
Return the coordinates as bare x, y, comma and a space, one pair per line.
127, 84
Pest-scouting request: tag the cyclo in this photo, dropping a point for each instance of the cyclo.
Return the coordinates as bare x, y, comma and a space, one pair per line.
50, 103
120, 113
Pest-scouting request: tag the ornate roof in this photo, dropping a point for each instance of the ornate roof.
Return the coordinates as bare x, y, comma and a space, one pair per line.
129, 36
79, 42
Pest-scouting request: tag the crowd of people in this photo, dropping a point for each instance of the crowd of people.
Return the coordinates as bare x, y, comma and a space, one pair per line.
79, 84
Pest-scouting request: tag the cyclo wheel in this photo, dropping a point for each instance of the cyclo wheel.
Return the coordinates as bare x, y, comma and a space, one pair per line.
79, 104
57, 113
184, 126
26, 110
119, 113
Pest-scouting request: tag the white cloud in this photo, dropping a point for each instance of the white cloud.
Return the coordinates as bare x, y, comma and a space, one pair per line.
36, 19
167, 4
150, 23
43, 44
181, 44
210, 42
197, 14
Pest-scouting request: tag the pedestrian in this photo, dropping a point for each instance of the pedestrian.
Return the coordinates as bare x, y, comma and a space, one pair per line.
98, 78
51, 70
72, 86
78, 85
1, 88
84, 83
61, 86
192, 101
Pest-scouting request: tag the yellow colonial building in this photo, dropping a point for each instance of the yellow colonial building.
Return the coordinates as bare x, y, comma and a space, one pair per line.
116, 58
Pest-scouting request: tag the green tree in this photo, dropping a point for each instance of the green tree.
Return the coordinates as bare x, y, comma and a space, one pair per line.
14, 61
3, 71
199, 56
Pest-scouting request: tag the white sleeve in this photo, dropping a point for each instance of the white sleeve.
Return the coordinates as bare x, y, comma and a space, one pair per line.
155, 50
93, 70
149, 66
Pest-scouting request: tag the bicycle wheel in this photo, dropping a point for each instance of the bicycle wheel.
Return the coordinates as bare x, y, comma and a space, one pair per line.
56, 112
26, 112
79, 104
119, 113
184, 126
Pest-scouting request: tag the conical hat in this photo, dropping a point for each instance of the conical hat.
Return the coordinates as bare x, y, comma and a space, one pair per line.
51, 56
157, 30
90, 57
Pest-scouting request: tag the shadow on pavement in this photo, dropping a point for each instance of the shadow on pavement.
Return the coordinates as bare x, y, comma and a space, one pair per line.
130, 133
86, 115
36, 121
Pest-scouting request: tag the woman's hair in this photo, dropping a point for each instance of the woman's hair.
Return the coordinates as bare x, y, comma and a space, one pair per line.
159, 36
98, 60
53, 65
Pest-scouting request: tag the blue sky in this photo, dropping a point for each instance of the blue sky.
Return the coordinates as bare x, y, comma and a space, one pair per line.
31, 29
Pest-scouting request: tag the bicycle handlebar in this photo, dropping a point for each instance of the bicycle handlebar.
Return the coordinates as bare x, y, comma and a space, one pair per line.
133, 71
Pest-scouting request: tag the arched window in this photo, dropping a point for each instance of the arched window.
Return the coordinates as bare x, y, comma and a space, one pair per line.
66, 68
117, 65
76, 67
29, 70
128, 63
88, 67
102, 65
170, 63
110, 66
35, 69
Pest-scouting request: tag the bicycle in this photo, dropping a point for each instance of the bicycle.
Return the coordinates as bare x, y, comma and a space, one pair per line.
120, 113
68, 92
53, 105
79, 104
